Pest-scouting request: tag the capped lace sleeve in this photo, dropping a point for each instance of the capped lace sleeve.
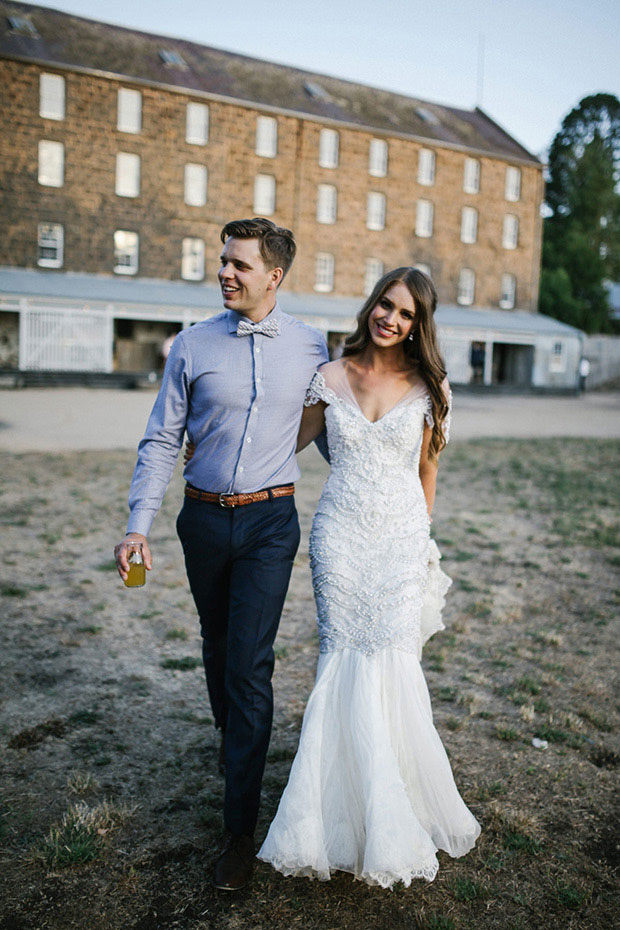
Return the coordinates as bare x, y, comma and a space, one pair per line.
428, 411
318, 391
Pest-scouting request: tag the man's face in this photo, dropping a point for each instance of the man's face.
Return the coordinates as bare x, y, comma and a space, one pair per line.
248, 287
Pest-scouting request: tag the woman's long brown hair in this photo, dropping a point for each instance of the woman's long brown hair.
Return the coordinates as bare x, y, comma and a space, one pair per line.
422, 351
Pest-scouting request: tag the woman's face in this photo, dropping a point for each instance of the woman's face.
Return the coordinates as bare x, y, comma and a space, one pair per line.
391, 320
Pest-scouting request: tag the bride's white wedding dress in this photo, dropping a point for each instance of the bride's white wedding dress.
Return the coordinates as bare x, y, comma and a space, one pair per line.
371, 790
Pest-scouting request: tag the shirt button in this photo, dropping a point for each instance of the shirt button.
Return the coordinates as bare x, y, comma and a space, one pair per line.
258, 348
241, 468
249, 439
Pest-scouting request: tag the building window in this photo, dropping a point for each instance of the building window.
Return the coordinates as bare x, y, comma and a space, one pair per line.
129, 113
509, 292
557, 362
373, 270
264, 195
266, 136
424, 219
127, 174
329, 143
51, 163
466, 288
375, 210
324, 272
326, 204
426, 167
513, 183
510, 232
471, 176
193, 259
469, 224
195, 185
50, 245
52, 96
197, 124
125, 252
378, 158
423, 267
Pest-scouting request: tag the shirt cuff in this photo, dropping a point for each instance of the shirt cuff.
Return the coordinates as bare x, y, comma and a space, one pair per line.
140, 521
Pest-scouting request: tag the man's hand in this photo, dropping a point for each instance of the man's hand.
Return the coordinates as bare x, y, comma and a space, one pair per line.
120, 553
188, 454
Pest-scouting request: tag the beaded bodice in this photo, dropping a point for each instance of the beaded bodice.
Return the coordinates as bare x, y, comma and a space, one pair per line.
369, 546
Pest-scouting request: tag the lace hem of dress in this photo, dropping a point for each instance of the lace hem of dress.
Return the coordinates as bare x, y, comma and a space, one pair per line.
292, 869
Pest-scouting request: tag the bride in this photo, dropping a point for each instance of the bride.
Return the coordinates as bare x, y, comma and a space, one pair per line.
371, 790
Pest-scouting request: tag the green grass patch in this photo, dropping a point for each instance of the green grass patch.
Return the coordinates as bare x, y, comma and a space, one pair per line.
176, 634
185, 664
83, 718
507, 735
13, 590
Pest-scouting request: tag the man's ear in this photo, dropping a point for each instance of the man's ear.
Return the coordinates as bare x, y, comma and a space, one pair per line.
275, 277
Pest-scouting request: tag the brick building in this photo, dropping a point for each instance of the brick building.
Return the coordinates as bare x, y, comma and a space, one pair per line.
124, 153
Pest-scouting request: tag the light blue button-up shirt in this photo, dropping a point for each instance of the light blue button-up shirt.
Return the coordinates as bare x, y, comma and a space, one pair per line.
239, 398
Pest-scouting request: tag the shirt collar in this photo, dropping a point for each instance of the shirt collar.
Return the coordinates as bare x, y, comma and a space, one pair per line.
234, 317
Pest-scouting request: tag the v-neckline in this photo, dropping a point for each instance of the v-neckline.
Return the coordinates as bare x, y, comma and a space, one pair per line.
359, 406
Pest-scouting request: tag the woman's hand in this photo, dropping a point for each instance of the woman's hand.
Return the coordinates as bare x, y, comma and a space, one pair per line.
188, 455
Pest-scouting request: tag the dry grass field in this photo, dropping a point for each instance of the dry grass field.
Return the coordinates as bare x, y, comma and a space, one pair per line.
110, 794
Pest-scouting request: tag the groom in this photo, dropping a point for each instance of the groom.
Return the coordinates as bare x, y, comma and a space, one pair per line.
236, 383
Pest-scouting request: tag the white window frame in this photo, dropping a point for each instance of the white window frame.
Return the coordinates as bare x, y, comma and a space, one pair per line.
512, 191
266, 136
471, 176
510, 231
324, 272
129, 110
469, 225
373, 270
466, 288
378, 158
508, 293
195, 184
264, 203
51, 163
329, 148
426, 167
425, 215
50, 236
375, 210
192, 259
130, 249
326, 204
127, 182
52, 96
197, 124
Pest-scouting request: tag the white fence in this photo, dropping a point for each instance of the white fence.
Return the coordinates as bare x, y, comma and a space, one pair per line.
52, 339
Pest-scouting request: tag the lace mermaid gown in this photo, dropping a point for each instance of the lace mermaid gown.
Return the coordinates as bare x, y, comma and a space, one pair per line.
371, 790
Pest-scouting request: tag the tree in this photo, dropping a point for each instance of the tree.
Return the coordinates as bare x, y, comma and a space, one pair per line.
581, 236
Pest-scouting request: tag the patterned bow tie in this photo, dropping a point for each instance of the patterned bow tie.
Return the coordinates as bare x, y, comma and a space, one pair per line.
266, 327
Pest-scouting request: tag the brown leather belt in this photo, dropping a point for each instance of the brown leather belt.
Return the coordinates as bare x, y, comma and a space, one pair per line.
239, 500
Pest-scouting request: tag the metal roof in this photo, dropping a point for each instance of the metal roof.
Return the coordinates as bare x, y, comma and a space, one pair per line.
68, 41
179, 295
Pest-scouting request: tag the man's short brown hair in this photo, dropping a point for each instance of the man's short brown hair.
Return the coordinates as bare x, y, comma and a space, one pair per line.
276, 244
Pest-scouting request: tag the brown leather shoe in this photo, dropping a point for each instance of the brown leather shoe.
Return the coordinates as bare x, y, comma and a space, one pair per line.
221, 760
235, 865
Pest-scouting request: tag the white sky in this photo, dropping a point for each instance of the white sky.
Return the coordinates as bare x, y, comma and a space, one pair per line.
541, 56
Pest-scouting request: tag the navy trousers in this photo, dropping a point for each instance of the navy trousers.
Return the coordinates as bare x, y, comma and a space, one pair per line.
239, 563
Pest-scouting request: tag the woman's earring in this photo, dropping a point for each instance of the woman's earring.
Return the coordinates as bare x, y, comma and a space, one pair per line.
410, 336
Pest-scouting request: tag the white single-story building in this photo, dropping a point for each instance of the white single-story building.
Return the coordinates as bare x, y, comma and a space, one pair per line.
89, 323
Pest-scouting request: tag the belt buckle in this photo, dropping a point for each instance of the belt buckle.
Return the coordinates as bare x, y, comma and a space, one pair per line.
223, 502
